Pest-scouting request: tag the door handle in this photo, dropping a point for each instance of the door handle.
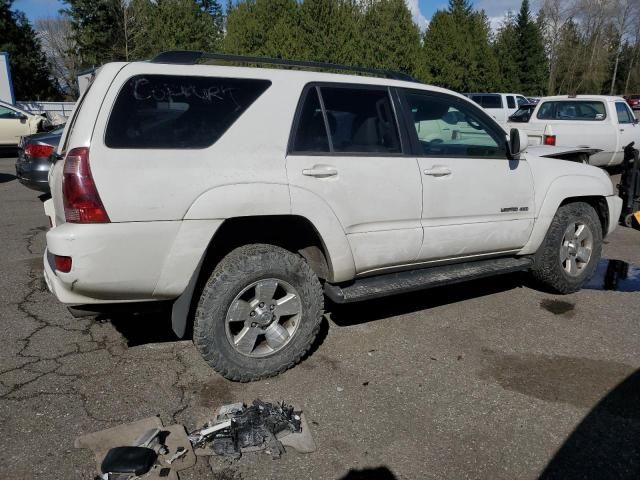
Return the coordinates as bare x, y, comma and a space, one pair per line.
437, 171
320, 171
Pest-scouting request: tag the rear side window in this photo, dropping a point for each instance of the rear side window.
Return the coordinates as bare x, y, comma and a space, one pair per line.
491, 101
582, 110
360, 120
167, 111
347, 120
624, 115
511, 102
311, 135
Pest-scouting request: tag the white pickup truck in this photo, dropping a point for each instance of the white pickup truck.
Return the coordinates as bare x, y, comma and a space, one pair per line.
499, 105
595, 121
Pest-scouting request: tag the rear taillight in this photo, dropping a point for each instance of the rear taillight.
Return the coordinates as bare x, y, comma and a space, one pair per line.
63, 264
82, 203
550, 140
35, 150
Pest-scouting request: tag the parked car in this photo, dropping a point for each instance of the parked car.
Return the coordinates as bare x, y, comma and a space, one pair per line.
586, 121
633, 101
34, 158
15, 123
499, 105
242, 196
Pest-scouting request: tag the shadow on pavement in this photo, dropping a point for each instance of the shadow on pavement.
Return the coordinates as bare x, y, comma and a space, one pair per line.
6, 177
143, 328
606, 444
368, 311
381, 473
155, 326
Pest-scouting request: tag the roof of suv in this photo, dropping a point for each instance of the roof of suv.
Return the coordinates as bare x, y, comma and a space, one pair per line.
283, 74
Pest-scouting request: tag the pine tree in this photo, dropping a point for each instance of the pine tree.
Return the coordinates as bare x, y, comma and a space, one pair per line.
31, 78
390, 38
456, 51
505, 47
98, 30
532, 60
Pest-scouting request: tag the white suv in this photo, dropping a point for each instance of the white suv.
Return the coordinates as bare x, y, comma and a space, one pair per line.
245, 195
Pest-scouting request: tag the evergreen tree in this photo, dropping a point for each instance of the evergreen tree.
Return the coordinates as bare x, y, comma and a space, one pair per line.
456, 51
98, 30
532, 60
175, 25
31, 79
390, 38
505, 47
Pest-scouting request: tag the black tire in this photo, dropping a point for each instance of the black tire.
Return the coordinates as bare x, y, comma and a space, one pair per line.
629, 220
236, 271
547, 268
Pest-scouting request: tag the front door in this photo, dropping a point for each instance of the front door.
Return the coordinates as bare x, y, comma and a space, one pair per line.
629, 131
12, 127
359, 171
476, 201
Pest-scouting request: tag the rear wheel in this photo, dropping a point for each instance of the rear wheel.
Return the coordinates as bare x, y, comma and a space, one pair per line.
571, 249
259, 313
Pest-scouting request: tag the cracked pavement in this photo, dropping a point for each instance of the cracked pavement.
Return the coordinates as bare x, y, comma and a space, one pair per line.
491, 379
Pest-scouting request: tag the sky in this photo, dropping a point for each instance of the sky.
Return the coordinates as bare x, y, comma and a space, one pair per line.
422, 10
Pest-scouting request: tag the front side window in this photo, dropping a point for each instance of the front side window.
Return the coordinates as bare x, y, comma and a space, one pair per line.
448, 127
360, 120
522, 101
171, 111
511, 102
624, 115
581, 110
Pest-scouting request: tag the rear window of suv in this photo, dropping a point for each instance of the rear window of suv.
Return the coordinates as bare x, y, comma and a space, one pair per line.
582, 110
167, 111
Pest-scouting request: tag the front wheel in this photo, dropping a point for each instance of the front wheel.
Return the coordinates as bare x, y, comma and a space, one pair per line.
259, 313
571, 249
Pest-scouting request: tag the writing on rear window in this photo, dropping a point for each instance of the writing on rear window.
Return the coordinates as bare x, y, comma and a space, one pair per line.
169, 111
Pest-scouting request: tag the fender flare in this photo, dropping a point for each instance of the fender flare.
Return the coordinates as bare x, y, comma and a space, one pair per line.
561, 189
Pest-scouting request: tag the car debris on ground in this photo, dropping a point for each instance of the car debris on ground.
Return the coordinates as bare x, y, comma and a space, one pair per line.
146, 449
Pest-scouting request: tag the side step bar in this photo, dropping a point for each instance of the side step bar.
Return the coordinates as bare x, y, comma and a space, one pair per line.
409, 281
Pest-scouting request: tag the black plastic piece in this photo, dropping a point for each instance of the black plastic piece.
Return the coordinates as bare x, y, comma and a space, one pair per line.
412, 280
131, 460
192, 57
629, 188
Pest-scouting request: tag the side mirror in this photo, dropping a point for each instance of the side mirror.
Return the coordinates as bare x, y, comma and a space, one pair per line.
518, 141
636, 121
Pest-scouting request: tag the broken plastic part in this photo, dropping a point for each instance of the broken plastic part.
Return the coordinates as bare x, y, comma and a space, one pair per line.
253, 428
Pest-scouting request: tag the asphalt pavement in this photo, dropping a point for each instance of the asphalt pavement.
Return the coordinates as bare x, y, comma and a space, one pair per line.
485, 380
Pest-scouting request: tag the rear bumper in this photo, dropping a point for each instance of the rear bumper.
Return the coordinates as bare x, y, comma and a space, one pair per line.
33, 173
125, 262
614, 203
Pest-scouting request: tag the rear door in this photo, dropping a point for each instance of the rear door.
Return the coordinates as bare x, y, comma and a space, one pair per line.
346, 149
476, 201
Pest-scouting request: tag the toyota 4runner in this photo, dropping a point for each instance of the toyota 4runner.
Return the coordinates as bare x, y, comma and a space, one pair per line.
245, 195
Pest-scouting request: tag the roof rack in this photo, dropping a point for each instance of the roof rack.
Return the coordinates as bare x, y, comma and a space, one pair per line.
192, 57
